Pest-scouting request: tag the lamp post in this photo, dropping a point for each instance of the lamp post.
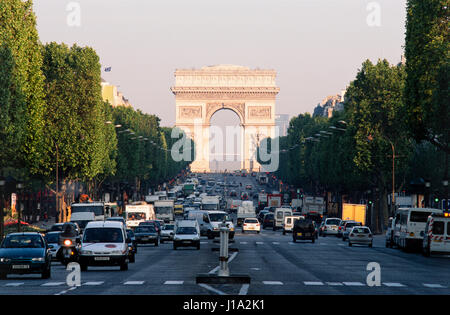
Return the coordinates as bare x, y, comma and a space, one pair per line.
2, 185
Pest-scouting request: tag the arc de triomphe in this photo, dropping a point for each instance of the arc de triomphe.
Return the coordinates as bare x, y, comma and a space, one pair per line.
251, 94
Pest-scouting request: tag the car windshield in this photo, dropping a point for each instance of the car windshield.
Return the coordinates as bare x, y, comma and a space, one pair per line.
360, 230
218, 217
145, 229
168, 227
103, 235
23, 241
186, 230
52, 237
251, 221
419, 216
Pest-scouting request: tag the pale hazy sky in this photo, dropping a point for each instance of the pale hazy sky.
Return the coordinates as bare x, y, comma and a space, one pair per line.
316, 46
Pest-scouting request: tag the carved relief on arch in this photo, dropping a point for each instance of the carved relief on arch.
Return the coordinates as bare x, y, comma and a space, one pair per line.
238, 108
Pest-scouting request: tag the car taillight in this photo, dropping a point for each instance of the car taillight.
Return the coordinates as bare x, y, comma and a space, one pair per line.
67, 242
340, 228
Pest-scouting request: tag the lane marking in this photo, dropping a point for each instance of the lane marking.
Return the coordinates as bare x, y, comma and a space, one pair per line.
173, 282
433, 285
93, 283
393, 284
259, 243
273, 282
244, 289
243, 243
354, 284
14, 284
207, 287
276, 243
133, 282
313, 283
334, 284
52, 284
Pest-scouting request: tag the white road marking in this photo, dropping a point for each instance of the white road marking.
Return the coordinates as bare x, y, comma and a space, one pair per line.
433, 285
134, 282
207, 287
244, 289
313, 283
276, 243
273, 282
354, 284
14, 284
259, 243
393, 284
243, 243
94, 283
52, 284
334, 283
173, 282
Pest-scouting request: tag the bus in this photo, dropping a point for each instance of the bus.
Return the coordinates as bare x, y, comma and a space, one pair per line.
410, 226
98, 208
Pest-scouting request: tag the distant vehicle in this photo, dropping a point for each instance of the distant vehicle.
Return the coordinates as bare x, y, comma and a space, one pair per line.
262, 179
82, 219
268, 220
25, 253
251, 224
146, 234
52, 239
261, 215
304, 229
244, 196
246, 210
210, 203
209, 222
187, 233
154, 223
97, 208
360, 235
289, 222
279, 215
348, 226
354, 212
331, 226
167, 233
437, 235
411, 224
274, 200
135, 214
132, 246
118, 219
164, 210
390, 232
313, 204
56, 227
104, 243
248, 187
341, 228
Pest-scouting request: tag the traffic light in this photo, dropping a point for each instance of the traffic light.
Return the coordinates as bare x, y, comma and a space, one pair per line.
436, 199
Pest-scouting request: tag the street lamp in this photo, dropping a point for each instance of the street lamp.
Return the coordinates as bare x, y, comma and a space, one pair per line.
2, 184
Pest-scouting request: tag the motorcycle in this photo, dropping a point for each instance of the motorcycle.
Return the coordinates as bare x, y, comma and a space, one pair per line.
69, 249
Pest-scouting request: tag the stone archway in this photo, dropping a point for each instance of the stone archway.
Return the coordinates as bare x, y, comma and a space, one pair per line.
251, 94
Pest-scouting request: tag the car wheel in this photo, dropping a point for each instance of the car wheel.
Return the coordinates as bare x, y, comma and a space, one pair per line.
47, 273
3, 276
156, 243
161, 241
350, 244
313, 240
209, 234
132, 258
198, 246
284, 232
124, 267
371, 245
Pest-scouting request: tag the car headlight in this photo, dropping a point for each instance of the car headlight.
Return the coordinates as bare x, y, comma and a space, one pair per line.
196, 238
116, 252
38, 259
4, 260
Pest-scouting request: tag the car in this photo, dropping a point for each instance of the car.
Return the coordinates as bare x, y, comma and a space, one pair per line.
25, 253
104, 243
304, 229
268, 220
341, 228
167, 232
119, 219
261, 215
233, 193
251, 224
289, 222
52, 239
436, 239
347, 228
56, 227
146, 234
360, 235
132, 246
331, 226
187, 233
152, 222
248, 186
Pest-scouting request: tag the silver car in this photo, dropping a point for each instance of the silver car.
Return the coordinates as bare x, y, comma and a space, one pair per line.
52, 239
167, 232
360, 235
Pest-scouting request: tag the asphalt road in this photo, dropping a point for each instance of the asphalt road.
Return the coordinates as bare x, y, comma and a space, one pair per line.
275, 264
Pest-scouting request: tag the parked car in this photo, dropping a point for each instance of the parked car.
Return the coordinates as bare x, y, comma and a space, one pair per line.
167, 233
146, 234
304, 229
25, 253
360, 235
348, 227
268, 220
52, 239
251, 224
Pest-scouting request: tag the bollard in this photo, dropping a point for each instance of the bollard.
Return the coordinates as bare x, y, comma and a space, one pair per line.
223, 256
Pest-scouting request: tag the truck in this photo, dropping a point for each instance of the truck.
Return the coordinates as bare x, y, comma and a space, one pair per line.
296, 204
313, 205
210, 203
164, 210
97, 208
137, 213
150, 199
188, 188
262, 201
274, 200
246, 210
233, 204
82, 219
354, 212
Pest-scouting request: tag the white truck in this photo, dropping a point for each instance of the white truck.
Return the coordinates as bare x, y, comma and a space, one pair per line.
313, 205
296, 204
164, 210
82, 218
246, 210
210, 203
136, 214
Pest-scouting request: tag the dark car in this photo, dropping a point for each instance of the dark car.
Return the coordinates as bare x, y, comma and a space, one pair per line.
304, 229
132, 246
118, 218
146, 234
268, 220
52, 239
341, 228
25, 253
155, 223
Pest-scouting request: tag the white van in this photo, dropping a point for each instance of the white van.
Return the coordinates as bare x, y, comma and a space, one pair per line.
104, 243
437, 235
186, 233
136, 214
209, 222
410, 223
279, 215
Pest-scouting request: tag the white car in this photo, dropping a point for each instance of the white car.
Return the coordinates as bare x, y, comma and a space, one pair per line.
187, 233
331, 226
360, 235
104, 243
167, 232
251, 224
